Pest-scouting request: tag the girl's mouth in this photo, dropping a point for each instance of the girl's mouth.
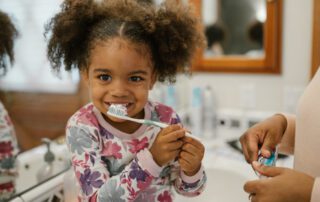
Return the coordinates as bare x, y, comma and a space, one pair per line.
125, 104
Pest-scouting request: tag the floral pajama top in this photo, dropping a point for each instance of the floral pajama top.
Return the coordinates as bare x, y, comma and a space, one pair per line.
111, 165
8, 153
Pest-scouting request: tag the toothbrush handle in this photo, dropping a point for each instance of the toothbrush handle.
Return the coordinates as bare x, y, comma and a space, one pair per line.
163, 125
160, 124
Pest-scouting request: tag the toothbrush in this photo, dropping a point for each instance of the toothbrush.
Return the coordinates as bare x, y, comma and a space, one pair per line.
120, 111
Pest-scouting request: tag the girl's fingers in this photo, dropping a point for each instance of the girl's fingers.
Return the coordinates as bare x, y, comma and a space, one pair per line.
171, 128
184, 163
174, 154
192, 150
194, 142
174, 136
174, 145
190, 158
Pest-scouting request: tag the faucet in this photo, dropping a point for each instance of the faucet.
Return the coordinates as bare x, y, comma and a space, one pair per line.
46, 170
49, 156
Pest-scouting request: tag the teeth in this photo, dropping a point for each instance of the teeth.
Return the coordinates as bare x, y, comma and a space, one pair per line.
125, 105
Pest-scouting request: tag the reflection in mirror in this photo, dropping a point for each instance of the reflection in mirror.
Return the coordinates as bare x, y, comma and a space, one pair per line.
235, 58
31, 71
8, 142
38, 102
234, 27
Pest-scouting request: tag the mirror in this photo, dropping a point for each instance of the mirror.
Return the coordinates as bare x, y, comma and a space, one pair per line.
234, 33
29, 91
243, 36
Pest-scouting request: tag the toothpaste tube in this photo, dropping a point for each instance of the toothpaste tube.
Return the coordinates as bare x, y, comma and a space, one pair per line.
271, 161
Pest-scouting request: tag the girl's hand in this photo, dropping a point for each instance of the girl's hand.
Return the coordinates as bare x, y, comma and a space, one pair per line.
285, 185
191, 156
266, 134
167, 144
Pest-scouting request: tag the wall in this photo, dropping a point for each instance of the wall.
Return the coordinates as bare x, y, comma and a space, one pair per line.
270, 92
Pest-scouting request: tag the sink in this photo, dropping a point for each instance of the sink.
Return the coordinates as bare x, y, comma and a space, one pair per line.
30, 162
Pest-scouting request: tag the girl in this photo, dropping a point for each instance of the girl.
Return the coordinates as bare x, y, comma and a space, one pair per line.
121, 48
8, 141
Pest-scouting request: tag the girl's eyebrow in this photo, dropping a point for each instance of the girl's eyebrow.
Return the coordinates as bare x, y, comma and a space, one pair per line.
138, 72
102, 70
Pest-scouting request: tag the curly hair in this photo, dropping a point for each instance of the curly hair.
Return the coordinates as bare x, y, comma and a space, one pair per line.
171, 32
7, 36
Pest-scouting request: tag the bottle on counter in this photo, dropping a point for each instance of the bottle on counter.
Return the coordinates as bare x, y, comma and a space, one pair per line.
209, 114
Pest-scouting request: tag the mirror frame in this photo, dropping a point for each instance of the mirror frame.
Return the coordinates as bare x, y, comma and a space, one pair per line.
270, 63
316, 38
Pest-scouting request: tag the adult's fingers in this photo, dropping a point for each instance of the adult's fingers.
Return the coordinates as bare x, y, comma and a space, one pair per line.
268, 145
269, 171
252, 186
254, 198
250, 146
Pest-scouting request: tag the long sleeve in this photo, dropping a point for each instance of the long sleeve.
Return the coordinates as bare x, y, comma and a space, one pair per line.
315, 196
191, 185
288, 138
102, 180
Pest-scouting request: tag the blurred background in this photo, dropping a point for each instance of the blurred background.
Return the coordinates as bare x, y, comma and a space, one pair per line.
260, 55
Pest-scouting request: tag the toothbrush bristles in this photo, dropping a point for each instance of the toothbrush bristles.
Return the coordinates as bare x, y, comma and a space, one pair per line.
118, 109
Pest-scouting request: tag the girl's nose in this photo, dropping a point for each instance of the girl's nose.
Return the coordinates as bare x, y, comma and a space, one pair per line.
119, 89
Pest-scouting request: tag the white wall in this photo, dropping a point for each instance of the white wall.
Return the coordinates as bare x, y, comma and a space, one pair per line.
270, 92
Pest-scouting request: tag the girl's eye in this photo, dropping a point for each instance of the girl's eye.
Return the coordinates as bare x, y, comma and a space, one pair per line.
136, 78
104, 77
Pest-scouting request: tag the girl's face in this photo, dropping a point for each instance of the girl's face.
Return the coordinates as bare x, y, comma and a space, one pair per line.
120, 72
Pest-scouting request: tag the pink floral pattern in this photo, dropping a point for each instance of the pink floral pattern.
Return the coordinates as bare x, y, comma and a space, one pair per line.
112, 149
6, 149
85, 116
165, 197
164, 113
136, 145
107, 165
8, 152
